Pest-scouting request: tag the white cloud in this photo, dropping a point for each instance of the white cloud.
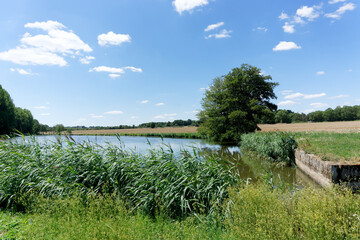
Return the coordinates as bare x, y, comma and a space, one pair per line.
45, 114
40, 107
166, 115
86, 59
308, 12
310, 96
96, 116
20, 71
114, 72
294, 96
160, 104
286, 92
318, 105
133, 69
192, 112
114, 75
213, 26
57, 41
336, 1
45, 49
46, 26
115, 112
285, 46
298, 20
32, 56
107, 69
320, 73
339, 96
222, 34
264, 29
287, 103
144, 101
188, 5
283, 16
340, 11
112, 38
304, 96
289, 28
204, 89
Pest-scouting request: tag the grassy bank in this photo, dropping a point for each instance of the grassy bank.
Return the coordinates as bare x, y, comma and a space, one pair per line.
331, 146
254, 211
68, 190
279, 146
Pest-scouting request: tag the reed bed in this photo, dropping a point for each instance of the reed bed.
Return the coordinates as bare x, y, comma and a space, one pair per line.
277, 147
161, 181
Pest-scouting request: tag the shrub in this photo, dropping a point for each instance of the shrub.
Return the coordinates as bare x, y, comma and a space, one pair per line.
277, 147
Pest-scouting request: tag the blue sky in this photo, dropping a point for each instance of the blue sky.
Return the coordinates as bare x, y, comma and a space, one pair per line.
133, 61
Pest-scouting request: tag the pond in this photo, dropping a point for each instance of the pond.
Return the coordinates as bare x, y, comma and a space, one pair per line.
250, 167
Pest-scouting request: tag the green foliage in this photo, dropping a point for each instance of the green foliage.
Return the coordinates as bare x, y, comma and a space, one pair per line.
257, 212
345, 113
166, 135
316, 116
7, 112
235, 103
24, 120
278, 147
331, 146
283, 116
159, 182
106, 217
59, 128
252, 211
175, 123
15, 118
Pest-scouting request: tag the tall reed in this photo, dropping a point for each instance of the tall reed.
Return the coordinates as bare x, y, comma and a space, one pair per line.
158, 182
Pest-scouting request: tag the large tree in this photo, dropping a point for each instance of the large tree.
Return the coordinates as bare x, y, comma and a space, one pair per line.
235, 103
7, 112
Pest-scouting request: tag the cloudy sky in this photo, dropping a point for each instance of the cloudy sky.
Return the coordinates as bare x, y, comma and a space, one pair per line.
133, 61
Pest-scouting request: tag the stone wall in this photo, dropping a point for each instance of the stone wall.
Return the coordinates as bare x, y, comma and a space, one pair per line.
325, 173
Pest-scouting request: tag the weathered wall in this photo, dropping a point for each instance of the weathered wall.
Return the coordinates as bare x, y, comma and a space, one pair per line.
325, 173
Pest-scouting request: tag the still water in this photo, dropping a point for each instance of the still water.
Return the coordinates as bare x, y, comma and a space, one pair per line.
250, 167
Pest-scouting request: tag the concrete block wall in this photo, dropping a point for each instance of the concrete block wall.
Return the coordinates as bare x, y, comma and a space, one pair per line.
326, 173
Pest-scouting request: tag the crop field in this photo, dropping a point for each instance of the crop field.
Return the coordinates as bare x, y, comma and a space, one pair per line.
351, 126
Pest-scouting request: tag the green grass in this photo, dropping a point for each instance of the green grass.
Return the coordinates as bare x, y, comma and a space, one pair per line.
277, 147
253, 211
331, 146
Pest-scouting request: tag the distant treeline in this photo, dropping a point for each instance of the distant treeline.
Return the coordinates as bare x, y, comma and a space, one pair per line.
345, 113
175, 123
13, 118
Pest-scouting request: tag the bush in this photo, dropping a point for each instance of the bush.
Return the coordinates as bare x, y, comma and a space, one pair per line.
277, 147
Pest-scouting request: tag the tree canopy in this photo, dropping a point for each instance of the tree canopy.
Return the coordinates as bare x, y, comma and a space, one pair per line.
7, 112
235, 103
14, 118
